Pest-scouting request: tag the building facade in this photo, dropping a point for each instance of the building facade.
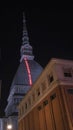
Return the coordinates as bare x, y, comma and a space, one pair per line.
49, 103
26, 74
0, 96
0, 87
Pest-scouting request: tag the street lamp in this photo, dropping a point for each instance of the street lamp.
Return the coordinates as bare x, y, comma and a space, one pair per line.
9, 127
9, 123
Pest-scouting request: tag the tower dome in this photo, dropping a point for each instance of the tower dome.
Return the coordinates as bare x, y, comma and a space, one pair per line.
26, 74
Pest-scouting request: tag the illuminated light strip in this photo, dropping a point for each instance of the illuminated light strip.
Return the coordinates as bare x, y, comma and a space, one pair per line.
28, 70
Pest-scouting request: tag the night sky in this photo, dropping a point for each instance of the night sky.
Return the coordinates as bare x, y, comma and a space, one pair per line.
50, 32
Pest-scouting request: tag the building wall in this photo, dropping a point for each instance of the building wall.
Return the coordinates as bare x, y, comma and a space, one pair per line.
48, 105
54, 111
0, 88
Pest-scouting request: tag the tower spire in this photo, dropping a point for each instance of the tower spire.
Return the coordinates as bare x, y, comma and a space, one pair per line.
25, 38
26, 48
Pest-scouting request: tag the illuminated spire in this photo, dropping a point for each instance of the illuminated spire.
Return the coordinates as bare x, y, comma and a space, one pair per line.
25, 38
26, 48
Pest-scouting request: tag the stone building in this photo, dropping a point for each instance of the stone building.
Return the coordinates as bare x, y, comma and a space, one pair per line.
49, 103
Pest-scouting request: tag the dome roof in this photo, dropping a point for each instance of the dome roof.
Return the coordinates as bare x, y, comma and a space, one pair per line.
21, 77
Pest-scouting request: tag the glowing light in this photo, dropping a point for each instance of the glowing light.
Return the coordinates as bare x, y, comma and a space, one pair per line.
28, 70
9, 127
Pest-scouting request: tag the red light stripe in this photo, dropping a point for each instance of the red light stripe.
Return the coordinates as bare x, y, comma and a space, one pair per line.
28, 70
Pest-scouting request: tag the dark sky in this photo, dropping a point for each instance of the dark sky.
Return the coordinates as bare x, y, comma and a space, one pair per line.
50, 32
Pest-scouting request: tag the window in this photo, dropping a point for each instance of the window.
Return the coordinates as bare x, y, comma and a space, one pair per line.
39, 108
45, 102
67, 72
70, 91
53, 96
25, 105
38, 91
50, 78
43, 86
